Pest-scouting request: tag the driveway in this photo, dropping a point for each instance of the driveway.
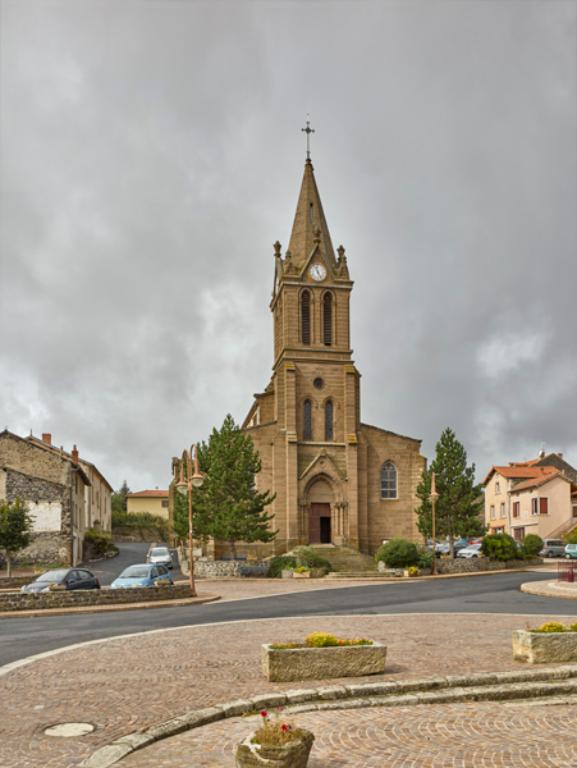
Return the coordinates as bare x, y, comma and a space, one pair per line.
130, 553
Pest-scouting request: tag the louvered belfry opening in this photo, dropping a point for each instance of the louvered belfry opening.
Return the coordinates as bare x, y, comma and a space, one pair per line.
306, 317
328, 319
307, 420
329, 421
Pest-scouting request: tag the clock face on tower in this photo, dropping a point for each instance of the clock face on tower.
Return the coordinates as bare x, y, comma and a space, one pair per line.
318, 272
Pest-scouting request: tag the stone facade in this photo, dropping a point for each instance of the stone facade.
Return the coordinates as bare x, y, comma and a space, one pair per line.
65, 496
324, 465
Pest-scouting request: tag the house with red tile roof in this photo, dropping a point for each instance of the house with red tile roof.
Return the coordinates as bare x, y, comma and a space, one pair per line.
537, 496
154, 502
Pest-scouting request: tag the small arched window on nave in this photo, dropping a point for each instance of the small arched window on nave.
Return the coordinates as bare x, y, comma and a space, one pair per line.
307, 420
388, 481
329, 431
328, 319
306, 317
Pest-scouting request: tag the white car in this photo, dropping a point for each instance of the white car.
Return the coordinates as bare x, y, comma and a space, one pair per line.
159, 556
473, 550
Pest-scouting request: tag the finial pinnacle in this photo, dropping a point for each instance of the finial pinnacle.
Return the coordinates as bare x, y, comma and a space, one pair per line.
308, 130
277, 248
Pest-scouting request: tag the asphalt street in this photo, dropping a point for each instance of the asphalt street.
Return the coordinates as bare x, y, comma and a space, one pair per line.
129, 553
494, 593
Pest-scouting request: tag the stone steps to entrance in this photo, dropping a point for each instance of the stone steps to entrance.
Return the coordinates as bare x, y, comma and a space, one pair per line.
345, 559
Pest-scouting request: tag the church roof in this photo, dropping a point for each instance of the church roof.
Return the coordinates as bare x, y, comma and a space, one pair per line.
310, 226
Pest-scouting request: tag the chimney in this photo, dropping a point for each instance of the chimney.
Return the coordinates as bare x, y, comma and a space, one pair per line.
559, 454
47, 438
74, 454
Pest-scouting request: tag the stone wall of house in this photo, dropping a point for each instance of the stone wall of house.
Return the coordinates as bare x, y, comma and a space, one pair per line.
15, 601
49, 506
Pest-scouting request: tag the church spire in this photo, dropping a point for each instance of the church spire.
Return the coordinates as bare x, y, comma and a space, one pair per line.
310, 227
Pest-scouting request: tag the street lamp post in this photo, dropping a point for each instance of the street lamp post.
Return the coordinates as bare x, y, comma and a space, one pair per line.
194, 479
434, 496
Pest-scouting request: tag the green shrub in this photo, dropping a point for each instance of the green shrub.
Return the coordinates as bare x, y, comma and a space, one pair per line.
551, 626
499, 546
99, 543
281, 563
311, 559
398, 553
140, 521
571, 537
425, 559
532, 545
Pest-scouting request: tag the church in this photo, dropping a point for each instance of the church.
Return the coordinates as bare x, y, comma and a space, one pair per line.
337, 480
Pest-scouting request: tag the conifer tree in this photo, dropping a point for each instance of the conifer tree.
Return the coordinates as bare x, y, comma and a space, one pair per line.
15, 529
228, 506
460, 500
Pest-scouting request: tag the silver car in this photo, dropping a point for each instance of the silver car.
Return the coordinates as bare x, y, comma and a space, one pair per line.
473, 550
159, 556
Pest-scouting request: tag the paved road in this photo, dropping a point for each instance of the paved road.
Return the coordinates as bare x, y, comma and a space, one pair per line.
130, 553
497, 593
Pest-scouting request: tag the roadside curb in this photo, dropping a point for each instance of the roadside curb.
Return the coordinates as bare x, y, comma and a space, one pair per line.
452, 688
111, 607
549, 589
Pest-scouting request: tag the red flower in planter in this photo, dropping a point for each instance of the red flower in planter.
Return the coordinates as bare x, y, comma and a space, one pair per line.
264, 713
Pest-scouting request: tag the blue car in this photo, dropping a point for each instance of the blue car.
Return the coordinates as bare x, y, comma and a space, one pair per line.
141, 576
571, 552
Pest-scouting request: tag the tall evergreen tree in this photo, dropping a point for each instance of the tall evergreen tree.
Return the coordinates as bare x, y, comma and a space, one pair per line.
228, 506
460, 499
119, 500
15, 529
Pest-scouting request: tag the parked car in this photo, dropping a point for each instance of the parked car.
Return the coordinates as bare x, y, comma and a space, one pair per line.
473, 550
63, 578
571, 552
159, 556
552, 548
144, 575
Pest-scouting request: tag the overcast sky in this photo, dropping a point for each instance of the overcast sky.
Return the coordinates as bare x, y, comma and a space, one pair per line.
152, 153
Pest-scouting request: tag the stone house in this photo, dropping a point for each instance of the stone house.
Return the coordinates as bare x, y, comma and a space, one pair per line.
537, 496
66, 495
337, 480
152, 502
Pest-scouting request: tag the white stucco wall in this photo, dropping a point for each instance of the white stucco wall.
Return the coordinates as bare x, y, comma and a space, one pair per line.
46, 515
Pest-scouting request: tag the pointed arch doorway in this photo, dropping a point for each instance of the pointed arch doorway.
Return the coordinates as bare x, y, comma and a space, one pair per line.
320, 512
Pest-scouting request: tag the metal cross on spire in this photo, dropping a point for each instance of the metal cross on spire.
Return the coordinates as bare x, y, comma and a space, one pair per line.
308, 130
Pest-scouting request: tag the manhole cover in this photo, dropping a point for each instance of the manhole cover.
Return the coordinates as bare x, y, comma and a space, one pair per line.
69, 730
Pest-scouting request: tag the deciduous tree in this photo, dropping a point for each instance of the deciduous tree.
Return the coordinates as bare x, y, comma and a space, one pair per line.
15, 529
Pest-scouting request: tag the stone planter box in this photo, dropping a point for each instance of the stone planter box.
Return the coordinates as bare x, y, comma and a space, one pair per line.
286, 573
290, 664
303, 575
543, 647
294, 754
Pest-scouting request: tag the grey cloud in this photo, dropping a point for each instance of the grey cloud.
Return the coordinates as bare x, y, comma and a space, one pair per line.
151, 154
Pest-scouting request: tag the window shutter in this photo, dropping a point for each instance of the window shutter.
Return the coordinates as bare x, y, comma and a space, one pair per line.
543, 506
329, 420
327, 319
306, 317
307, 421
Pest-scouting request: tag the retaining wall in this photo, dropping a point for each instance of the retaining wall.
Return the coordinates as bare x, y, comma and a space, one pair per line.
70, 599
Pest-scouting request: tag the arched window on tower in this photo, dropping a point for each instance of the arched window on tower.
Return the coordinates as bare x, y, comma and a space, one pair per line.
329, 433
328, 319
307, 420
306, 317
388, 481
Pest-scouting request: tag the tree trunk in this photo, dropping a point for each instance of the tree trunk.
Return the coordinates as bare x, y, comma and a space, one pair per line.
8, 565
233, 549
